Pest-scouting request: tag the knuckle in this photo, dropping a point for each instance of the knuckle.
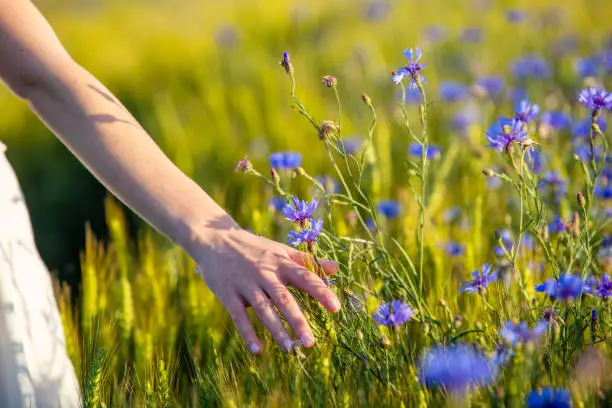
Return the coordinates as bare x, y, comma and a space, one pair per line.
261, 306
285, 298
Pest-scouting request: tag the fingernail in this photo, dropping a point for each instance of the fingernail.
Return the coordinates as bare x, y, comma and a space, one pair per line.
288, 345
307, 340
334, 305
254, 347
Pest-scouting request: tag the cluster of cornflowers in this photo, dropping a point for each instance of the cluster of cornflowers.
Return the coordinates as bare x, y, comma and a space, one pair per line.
301, 213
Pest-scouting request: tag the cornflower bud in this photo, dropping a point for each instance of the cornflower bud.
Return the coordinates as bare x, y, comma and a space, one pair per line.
286, 63
581, 200
488, 172
300, 171
576, 224
366, 99
330, 81
594, 317
275, 176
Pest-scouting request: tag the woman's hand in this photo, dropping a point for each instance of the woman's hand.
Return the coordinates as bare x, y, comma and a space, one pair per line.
244, 269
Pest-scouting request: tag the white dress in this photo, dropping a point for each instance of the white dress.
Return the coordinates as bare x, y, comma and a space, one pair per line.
35, 370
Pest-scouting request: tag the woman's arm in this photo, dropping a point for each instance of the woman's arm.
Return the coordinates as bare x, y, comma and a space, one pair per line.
239, 267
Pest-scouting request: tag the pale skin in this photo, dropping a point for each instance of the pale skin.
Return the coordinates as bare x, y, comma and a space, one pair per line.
242, 269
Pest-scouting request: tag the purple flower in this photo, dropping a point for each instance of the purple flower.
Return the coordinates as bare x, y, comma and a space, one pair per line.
394, 313
595, 99
455, 249
533, 158
517, 94
555, 183
451, 91
601, 287
464, 118
521, 333
480, 280
329, 183
300, 211
472, 35
435, 33
558, 226
555, 120
526, 111
285, 160
567, 287
493, 85
389, 208
455, 368
411, 96
416, 149
515, 16
377, 10
505, 132
277, 203
307, 235
351, 145
549, 398
587, 67
413, 69
531, 66
582, 129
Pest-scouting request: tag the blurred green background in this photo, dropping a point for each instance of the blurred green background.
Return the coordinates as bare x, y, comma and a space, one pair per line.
203, 79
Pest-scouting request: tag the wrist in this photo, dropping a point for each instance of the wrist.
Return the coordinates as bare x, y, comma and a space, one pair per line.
202, 236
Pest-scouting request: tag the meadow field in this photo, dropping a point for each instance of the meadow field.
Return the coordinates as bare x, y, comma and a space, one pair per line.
471, 226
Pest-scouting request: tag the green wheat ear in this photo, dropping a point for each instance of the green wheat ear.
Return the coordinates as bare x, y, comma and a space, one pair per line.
91, 397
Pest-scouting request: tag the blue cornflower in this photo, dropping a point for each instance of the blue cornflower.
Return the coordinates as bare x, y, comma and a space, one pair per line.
277, 203
533, 158
329, 183
455, 249
435, 33
480, 280
300, 211
307, 235
416, 149
455, 368
464, 118
389, 208
599, 287
518, 93
506, 243
526, 111
515, 333
515, 16
555, 120
552, 180
505, 132
451, 91
567, 287
558, 226
493, 85
285, 160
595, 99
352, 145
452, 214
370, 224
582, 129
377, 10
587, 67
412, 70
531, 66
394, 313
472, 35
606, 61
549, 398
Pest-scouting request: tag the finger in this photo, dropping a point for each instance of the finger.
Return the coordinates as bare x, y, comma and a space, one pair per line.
308, 261
240, 317
288, 306
310, 283
268, 316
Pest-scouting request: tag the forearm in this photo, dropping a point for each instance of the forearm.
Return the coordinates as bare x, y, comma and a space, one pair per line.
109, 141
